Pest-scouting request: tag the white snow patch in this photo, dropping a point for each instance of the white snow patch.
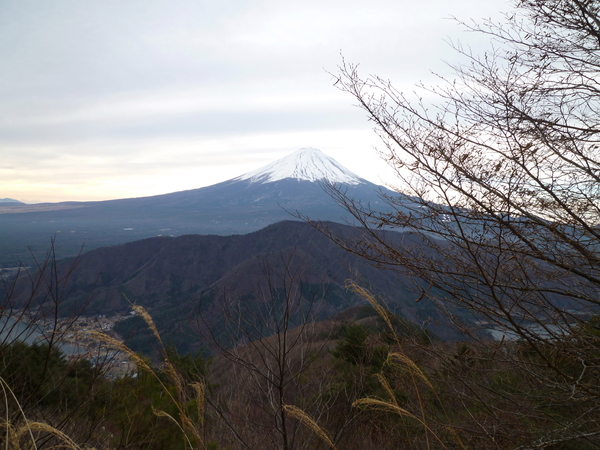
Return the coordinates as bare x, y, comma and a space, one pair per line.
308, 164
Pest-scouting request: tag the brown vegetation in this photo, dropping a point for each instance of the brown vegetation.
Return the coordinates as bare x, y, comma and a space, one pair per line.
502, 212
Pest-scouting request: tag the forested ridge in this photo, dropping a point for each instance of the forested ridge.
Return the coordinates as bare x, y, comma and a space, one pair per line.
498, 231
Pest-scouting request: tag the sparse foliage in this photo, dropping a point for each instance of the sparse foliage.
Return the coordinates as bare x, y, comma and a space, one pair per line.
270, 347
499, 187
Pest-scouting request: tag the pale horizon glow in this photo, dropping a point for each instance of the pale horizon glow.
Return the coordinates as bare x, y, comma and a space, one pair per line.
105, 100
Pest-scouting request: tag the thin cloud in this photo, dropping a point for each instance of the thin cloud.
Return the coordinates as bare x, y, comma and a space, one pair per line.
88, 88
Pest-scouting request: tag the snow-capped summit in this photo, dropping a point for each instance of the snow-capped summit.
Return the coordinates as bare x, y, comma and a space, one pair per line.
236, 206
308, 164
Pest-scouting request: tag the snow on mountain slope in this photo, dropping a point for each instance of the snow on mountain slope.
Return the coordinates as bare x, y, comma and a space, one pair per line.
305, 164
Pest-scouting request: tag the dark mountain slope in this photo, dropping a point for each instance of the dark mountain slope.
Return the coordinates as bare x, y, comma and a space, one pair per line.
175, 278
240, 205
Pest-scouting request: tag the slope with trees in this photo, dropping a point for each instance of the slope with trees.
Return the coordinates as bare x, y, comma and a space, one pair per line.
507, 164
506, 233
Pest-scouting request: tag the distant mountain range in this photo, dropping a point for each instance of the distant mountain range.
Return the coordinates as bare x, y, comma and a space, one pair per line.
178, 278
240, 205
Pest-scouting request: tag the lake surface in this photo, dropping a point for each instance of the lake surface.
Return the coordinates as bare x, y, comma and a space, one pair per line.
12, 329
547, 332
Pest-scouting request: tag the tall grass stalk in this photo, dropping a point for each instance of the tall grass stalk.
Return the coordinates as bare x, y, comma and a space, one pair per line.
399, 361
303, 417
21, 436
192, 430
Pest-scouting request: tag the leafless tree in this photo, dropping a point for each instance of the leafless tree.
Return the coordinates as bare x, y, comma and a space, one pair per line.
268, 348
32, 309
499, 193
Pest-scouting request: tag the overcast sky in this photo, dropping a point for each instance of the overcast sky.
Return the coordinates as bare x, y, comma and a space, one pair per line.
104, 99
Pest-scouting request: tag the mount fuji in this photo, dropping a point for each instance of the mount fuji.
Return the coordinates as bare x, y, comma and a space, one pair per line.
241, 205
307, 164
